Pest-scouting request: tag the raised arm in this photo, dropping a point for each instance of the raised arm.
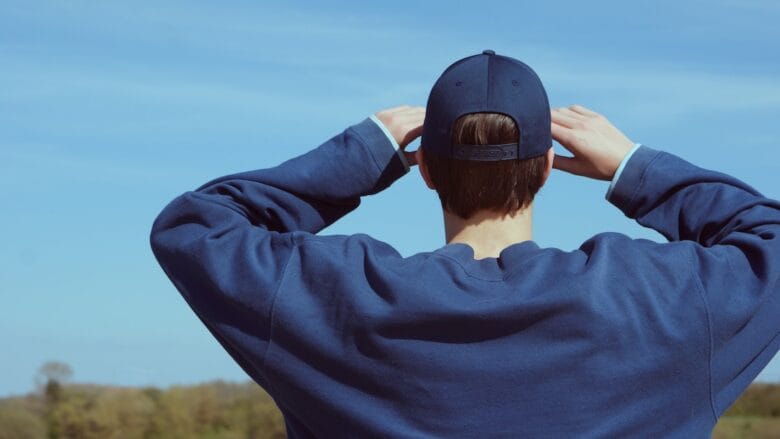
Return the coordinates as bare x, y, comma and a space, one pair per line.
226, 244
734, 236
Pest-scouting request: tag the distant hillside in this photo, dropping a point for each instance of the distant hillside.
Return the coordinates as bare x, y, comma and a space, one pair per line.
211, 410
225, 410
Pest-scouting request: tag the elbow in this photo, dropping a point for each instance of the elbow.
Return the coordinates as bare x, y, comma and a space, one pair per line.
162, 228
176, 227
157, 236
185, 222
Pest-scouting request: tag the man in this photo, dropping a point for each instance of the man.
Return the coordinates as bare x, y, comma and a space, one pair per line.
489, 335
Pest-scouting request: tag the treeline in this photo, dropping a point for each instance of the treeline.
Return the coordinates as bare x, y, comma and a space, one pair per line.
209, 411
225, 410
760, 400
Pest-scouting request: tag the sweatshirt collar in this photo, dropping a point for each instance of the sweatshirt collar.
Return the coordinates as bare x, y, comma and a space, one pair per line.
489, 268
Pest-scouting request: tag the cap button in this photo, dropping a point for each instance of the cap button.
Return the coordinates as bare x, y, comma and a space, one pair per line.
488, 52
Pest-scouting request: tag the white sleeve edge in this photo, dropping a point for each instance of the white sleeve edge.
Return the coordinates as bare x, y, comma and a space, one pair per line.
620, 169
398, 150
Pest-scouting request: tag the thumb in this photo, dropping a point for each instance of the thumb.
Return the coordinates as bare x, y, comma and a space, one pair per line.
411, 157
568, 164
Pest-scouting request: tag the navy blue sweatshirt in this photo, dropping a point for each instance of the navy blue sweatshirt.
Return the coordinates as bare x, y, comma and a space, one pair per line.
621, 337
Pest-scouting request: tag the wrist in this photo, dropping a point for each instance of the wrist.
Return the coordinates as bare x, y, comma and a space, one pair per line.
620, 168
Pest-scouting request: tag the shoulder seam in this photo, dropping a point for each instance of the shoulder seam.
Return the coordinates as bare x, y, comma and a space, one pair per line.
710, 347
277, 288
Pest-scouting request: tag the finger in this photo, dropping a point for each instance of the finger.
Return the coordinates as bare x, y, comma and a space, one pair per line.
583, 110
403, 114
561, 132
413, 132
415, 110
410, 118
412, 109
573, 114
560, 118
396, 109
566, 137
411, 157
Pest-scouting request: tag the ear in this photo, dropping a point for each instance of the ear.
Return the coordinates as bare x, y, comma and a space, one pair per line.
418, 155
548, 169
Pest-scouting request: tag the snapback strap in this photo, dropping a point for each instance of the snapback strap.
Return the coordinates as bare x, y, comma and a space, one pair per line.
493, 152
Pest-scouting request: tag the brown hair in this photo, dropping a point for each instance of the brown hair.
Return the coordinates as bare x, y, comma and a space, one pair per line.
466, 186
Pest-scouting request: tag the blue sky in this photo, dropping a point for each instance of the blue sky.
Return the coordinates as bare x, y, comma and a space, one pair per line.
109, 110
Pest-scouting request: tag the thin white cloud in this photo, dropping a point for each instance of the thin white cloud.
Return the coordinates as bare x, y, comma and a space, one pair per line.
25, 157
666, 94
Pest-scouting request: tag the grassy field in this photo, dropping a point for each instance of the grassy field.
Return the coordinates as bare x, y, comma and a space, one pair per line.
747, 427
225, 410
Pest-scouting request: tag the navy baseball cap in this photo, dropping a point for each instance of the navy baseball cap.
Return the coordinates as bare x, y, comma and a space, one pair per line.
487, 82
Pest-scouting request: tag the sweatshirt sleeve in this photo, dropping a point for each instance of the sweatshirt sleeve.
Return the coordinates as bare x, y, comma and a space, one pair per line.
390, 137
734, 255
619, 170
225, 245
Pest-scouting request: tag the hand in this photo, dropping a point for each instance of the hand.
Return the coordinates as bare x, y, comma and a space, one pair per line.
405, 124
597, 145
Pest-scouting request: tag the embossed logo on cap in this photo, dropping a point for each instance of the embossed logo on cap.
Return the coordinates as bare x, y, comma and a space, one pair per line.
480, 152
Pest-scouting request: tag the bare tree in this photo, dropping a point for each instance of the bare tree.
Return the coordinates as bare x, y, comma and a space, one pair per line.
50, 377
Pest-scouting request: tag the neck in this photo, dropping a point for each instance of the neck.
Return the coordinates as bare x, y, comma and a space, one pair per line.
488, 232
